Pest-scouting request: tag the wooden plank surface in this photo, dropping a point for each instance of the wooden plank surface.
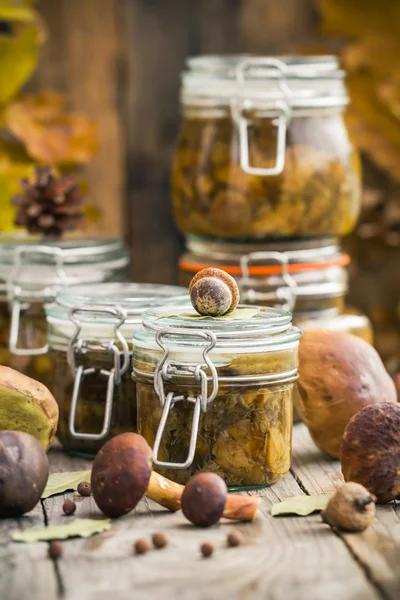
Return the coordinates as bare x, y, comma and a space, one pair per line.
283, 558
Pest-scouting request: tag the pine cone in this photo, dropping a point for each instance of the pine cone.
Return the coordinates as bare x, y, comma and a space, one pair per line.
49, 205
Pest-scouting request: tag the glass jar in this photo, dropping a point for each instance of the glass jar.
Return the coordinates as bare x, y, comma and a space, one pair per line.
31, 272
308, 278
263, 150
217, 394
89, 335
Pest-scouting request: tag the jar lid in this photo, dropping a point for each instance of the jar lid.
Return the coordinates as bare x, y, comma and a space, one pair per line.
97, 307
245, 330
33, 263
306, 81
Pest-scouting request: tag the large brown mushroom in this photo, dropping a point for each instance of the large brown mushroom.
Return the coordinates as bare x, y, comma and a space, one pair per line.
339, 374
122, 475
203, 499
24, 470
370, 451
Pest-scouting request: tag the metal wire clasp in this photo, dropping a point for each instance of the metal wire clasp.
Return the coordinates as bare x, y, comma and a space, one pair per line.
78, 347
280, 109
285, 293
18, 297
165, 371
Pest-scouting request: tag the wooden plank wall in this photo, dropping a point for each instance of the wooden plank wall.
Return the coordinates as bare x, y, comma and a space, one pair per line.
119, 61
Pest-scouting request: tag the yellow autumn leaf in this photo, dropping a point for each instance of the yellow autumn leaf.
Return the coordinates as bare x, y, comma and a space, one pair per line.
49, 134
18, 60
17, 10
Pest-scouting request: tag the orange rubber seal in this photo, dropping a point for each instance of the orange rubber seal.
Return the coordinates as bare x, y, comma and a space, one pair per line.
258, 270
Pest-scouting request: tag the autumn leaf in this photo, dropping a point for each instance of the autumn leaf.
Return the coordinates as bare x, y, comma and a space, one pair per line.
18, 60
15, 10
51, 135
300, 505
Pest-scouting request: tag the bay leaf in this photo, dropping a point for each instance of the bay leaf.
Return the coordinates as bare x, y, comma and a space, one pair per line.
300, 505
77, 528
235, 315
62, 482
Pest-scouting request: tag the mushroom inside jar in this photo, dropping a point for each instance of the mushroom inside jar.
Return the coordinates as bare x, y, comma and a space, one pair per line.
245, 433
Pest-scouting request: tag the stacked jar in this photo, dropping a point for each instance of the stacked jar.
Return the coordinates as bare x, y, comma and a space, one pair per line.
265, 182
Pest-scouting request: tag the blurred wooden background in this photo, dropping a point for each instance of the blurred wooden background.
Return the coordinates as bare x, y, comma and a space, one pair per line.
119, 61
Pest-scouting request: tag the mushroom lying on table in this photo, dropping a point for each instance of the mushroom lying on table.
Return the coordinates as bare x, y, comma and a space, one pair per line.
122, 474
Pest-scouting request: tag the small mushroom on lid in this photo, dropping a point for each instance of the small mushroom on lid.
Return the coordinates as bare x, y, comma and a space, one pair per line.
203, 500
214, 292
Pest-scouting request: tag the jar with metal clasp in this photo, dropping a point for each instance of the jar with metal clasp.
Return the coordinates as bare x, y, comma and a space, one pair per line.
263, 150
215, 394
308, 278
89, 336
31, 272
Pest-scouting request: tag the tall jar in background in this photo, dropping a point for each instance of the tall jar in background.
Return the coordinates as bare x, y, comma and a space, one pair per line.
263, 151
31, 273
217, 394
89, 336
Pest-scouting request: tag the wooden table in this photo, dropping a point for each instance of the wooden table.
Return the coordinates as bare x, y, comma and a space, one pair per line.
283, 558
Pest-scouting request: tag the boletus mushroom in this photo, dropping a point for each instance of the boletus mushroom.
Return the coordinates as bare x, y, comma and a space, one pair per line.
27, 405
339, 374
370, 450
204, 498
122, 474
24, 470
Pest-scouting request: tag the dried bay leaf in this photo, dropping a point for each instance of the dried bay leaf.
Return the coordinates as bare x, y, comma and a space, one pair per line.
300, 505
235, 315
62, 482
77, 528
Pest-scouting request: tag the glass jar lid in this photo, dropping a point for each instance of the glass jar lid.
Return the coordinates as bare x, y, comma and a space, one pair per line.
306, 81
275, 271
34, 264
96, 307
245, 330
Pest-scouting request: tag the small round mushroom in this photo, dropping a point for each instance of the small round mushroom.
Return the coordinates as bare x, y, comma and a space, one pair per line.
352, 508
214, 292
203, 499
121, 474
24, 470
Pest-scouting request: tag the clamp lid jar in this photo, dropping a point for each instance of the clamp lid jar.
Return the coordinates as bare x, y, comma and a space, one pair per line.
32, 270
89, 334
216, 394
263, 149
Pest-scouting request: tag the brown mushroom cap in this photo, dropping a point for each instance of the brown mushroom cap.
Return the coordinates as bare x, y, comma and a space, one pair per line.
339, 374
214, 292
24, 470
203, 499
370, 450
121, 473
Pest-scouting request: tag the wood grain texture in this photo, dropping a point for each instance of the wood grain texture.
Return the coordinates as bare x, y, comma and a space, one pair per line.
377, 548
281, 559
82, 59
26, 572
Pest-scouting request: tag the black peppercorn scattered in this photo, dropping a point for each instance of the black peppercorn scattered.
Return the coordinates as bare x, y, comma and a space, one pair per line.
69, 507
159, 540
84, 488
234, 539
55, 549
207, 549
141, 546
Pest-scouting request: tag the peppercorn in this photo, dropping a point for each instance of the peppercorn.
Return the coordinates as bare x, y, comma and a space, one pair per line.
207, 549
69, 507
55, 549
141, 546
234, 539
84, 488
159, 540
